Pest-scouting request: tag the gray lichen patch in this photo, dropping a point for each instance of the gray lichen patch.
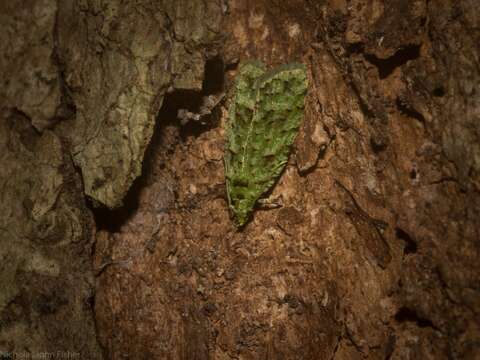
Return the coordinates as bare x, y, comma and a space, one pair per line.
29, 73
44, 245
118, 73
49, 178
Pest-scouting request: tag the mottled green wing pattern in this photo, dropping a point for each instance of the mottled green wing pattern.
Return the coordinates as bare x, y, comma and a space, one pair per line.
265, 114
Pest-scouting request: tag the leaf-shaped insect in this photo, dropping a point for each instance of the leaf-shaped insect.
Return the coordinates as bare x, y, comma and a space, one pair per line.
264, 117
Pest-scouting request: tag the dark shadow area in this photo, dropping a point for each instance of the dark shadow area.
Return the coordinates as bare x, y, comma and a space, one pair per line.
176, 100
378, 139
213, 83
405, 314
21, 124
413, 174
214, 79
390, 347
232, 66
410, 244
369, 114
387, 66
355, 48
111, 220
409, 111
439, 91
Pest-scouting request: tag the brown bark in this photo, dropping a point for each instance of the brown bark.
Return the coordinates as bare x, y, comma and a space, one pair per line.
374, 252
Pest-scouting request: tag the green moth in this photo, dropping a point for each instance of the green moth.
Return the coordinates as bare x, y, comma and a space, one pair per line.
264, 117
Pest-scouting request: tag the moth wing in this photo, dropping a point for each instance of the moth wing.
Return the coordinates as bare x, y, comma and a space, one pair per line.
279, 113
240, 115
264, 118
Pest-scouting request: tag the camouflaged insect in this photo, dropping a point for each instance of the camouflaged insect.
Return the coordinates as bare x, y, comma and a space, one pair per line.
264, 117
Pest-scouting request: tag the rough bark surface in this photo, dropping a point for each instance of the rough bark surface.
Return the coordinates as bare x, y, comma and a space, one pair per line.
46, 230
374, 253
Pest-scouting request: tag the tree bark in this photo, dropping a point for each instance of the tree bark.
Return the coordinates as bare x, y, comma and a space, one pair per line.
116, 240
